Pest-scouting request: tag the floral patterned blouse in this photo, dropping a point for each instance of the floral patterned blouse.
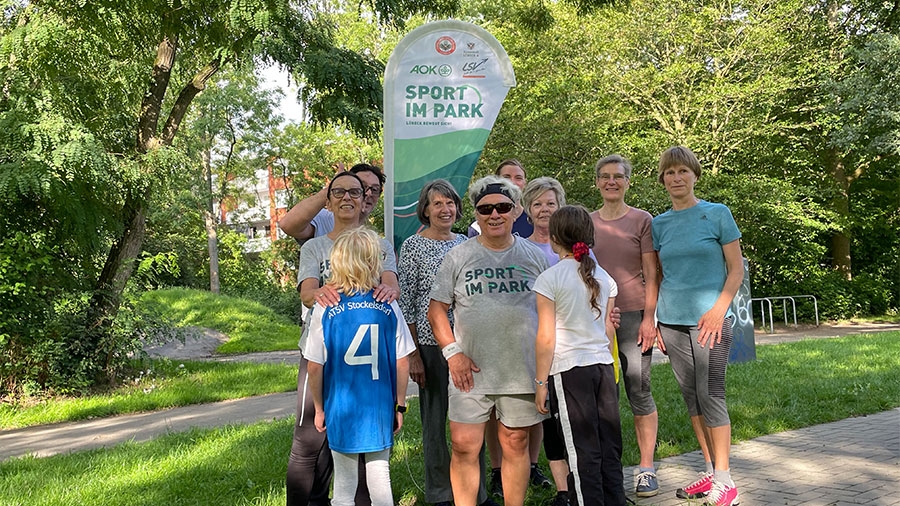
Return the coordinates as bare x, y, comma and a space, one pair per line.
420, 258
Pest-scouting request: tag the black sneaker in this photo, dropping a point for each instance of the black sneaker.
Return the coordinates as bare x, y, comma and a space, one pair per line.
537, 477
561, 499
496, 486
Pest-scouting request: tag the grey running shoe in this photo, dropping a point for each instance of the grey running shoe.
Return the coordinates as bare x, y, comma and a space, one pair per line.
647, 486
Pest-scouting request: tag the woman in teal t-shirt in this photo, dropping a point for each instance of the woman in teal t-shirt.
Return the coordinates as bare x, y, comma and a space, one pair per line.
702, 268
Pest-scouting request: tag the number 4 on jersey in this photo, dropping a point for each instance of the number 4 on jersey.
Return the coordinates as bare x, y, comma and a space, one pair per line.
351, 357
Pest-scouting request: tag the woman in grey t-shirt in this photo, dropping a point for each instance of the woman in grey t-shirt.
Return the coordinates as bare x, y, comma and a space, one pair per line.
310, 466
490, 352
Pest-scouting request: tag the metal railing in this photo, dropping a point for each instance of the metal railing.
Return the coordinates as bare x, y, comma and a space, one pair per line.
767, 302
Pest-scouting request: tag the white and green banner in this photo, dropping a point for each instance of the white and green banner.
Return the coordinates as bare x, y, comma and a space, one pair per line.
443, 88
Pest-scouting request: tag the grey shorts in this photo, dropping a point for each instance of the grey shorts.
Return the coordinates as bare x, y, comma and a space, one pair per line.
513, 410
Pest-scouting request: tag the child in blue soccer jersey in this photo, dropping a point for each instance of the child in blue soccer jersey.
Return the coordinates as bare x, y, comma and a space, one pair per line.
358, 368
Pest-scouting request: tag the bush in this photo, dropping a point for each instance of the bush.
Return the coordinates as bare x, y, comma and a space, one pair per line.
840, 299
267, 278
63, 356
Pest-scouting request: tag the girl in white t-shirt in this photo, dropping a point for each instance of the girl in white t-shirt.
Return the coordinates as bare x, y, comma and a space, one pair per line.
575, 376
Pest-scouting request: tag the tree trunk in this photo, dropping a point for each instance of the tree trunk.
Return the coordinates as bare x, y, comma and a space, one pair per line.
212, 243
119, 264
840, 203
120, 261
209, 221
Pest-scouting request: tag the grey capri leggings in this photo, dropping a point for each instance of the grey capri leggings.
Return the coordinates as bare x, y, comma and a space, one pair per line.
635, 364
700, 371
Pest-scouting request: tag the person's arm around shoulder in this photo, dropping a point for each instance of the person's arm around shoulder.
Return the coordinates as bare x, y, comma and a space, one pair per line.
389, 289
311, 292
297, 222
544, 346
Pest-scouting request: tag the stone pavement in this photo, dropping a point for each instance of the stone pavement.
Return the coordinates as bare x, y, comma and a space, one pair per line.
852, 461
848, 462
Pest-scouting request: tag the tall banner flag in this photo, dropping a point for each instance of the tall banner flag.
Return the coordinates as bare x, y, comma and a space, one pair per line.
443, 88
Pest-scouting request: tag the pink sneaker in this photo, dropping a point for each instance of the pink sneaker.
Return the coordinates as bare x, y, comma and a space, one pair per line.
723, 495
697, 489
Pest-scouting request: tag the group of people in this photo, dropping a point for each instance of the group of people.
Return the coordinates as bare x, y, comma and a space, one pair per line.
516, 335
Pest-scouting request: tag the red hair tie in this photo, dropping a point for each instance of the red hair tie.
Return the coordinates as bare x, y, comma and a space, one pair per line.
579, 250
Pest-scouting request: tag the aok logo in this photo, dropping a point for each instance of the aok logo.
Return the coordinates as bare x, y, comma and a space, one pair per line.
442, 70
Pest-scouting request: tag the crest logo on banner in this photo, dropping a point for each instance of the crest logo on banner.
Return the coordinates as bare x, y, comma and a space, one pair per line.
443, 88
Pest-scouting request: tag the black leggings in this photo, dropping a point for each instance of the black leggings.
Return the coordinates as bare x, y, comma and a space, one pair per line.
310, 466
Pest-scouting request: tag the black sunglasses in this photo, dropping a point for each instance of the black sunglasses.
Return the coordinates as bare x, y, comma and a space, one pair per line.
488, 209
339, 193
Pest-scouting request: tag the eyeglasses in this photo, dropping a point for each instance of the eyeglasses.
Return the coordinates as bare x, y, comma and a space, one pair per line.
488, 209
372, 189
339, 193
607, 177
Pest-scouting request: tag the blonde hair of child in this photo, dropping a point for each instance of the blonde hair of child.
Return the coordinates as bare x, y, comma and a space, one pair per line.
356, 261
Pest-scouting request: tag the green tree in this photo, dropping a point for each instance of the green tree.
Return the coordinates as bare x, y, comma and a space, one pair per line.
761, 91
228, 128
91, 102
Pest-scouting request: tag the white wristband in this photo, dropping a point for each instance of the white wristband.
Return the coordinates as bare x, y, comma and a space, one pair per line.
450, 350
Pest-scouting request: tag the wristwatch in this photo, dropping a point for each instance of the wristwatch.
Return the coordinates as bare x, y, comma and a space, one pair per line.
401, 409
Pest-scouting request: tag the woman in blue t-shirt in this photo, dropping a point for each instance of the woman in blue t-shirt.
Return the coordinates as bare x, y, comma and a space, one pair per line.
702, 268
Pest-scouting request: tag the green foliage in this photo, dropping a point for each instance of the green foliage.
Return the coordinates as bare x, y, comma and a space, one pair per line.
61, 355
773, 118
153, 270
89, 109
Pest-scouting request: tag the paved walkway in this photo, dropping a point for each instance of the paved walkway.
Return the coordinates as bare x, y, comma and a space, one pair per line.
848, 462
852, 461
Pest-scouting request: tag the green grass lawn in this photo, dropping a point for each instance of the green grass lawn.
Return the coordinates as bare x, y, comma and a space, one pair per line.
160, 384
249, 325
789, 386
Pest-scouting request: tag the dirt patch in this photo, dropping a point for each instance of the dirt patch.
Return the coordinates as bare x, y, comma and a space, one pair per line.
198, 343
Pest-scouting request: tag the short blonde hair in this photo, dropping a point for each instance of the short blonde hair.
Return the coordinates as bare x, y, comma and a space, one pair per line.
675, 156
537, 187
356, 261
